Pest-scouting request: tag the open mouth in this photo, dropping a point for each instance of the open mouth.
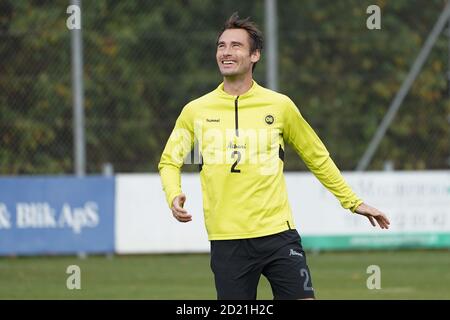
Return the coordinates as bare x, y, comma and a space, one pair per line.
228, 62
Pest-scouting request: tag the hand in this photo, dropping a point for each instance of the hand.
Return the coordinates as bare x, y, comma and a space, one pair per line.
373, 213
177, 209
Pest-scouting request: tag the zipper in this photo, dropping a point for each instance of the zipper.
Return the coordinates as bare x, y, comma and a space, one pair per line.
289, 226
236, 118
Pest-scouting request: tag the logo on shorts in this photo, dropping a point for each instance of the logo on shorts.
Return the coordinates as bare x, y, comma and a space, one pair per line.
292, 252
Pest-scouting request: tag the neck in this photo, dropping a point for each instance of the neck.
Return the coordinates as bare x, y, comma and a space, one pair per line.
237, 85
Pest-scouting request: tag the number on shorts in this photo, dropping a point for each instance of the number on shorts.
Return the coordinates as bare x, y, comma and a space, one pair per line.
304, 273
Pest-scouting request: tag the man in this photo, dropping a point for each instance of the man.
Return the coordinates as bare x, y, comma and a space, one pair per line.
240, 129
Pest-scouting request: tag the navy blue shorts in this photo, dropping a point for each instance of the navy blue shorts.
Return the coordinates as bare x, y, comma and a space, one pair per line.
238, 264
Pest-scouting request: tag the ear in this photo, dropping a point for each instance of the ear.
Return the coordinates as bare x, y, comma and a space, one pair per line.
255, 56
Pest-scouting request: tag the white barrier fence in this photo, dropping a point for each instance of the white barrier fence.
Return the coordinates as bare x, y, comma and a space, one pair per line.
417, 203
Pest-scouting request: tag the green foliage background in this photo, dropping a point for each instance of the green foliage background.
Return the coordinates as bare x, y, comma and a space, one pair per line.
144, 60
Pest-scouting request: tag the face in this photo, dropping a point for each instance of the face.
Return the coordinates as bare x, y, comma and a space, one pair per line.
233, 53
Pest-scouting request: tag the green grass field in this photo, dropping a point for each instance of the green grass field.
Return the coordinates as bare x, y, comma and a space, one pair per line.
337, 275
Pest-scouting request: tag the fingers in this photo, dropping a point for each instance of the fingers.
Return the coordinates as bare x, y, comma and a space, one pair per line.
373, 213
371, 221
383, 221
386, 220
182, 217
182, 199
178, 208
178, 211
178, 203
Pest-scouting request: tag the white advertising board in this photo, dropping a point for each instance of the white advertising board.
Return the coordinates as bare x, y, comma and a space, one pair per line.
417, 203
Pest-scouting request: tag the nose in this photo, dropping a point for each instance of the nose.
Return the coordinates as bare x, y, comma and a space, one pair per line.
226, 51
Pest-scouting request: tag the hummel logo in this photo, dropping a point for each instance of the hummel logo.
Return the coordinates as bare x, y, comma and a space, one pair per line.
212, 120
295, 253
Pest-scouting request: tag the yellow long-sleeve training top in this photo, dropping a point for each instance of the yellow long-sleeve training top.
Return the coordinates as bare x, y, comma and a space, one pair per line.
240, 142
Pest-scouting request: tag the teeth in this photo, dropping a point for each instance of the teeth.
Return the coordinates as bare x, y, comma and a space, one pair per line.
228, 62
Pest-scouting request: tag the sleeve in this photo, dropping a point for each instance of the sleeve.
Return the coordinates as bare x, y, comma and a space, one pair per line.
299, 134
179, 144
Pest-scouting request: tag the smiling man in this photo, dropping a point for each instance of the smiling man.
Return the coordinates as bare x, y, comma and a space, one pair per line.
241, 129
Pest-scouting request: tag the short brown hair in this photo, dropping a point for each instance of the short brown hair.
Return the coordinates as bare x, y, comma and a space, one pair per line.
255, 35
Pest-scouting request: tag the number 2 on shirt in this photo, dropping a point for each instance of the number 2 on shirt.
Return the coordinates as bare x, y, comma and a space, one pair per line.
233, 167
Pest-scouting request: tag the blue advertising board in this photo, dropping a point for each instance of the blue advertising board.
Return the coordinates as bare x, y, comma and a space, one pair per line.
56, 215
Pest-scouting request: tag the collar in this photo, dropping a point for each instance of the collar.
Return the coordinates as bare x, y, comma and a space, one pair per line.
247, 94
